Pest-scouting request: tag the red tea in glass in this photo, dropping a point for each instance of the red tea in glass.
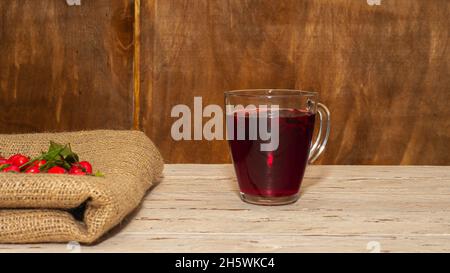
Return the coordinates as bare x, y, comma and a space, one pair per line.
274, 176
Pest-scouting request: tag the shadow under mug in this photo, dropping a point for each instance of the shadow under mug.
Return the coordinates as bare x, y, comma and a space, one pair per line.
270, 135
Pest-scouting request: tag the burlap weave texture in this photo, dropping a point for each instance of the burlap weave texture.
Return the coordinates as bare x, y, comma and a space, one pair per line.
37, 207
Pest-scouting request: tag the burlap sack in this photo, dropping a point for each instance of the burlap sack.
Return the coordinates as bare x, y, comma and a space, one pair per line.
39, 207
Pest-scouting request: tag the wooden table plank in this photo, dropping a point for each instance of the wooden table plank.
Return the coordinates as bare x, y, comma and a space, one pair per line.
342, 209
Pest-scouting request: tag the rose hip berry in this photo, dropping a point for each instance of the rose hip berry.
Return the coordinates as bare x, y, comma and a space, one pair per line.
18, 159
86, 166
59, 159
33, 169
56, 170
4, 161
11, 168
75, 170
39, 163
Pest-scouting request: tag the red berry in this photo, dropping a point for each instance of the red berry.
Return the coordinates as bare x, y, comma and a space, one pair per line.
75, 170
33, 169
11, 168
39, 163
5, 161
86, 166
57, 170
18, 159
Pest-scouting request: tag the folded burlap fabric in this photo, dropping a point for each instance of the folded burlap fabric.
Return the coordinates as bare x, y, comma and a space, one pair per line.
39, 207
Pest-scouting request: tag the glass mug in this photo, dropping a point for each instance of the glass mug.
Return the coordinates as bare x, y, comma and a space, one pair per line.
270, 134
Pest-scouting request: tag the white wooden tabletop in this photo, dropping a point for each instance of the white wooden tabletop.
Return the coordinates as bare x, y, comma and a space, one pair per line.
196, 208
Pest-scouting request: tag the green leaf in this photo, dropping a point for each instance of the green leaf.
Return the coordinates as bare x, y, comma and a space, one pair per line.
4, 166
47, 166
65, 151
99, 174
72, 158
53, 154
65, 165
55, 147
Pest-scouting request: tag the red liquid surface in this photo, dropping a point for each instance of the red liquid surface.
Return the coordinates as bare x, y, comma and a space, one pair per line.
274, 173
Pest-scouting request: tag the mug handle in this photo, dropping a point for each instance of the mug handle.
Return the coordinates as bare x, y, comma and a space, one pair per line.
322, 139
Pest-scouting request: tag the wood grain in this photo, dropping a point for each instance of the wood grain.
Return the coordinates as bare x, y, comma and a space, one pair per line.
382, 70
341, 209
66, 67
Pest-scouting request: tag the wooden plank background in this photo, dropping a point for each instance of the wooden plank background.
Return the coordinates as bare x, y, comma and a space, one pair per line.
65, 67
383, 70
